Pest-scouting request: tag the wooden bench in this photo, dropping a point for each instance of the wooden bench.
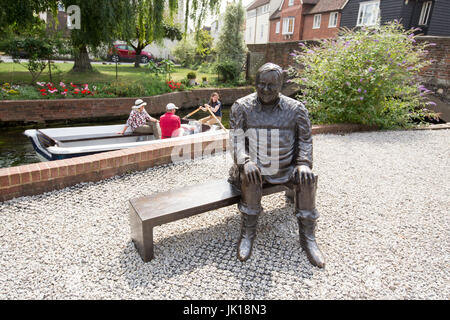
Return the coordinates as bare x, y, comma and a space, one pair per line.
160, 208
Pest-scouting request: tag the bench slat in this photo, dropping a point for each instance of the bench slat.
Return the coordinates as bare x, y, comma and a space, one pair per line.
173, 205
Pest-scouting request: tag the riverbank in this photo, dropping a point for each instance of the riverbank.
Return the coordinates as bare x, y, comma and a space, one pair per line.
383, 229
22, 112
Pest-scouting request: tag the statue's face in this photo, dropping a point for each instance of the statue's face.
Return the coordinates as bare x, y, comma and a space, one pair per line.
268, 87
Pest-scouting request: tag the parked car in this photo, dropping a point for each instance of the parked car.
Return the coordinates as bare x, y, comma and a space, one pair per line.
123, 52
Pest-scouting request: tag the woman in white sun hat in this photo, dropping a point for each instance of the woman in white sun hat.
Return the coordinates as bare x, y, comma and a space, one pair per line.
138, 118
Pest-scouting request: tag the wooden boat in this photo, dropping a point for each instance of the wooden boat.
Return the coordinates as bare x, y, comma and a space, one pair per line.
63, 143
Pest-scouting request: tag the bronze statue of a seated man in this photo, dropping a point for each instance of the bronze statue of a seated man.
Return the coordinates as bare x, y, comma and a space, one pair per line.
271, 143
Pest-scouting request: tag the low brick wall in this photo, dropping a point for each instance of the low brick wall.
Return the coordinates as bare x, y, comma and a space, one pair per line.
47, 176
32, 111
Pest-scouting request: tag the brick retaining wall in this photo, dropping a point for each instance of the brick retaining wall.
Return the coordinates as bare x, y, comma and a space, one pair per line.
26, 111
43, 177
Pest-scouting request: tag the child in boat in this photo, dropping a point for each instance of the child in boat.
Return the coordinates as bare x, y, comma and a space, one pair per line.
138, 120
216, 107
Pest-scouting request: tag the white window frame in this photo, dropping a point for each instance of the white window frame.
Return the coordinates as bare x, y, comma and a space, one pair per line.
290, 3
277, 27
250, 33
332, 23
261, 35
425, 13
265, 9
251, 13
362, 11
317, 21
286, 25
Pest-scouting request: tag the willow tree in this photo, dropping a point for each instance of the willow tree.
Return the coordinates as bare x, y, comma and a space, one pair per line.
153, 21
20, 16
101, 22
104, 21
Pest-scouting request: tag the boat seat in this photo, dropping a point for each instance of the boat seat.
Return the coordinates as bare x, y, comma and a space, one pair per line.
149, 211
87, 137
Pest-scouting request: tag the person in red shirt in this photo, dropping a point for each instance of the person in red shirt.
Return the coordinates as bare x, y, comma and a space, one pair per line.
169, 122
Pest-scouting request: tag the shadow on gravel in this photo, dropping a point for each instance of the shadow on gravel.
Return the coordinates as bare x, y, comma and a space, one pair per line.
274, 252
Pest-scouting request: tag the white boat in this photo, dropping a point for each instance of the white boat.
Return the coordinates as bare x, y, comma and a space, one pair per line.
63, 143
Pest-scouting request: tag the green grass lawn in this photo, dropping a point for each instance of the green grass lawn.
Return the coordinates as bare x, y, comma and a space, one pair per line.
17, 74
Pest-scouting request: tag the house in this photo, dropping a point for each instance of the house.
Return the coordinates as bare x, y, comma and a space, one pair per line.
323, 20
433, 17
61, 26
286, 23
257, 22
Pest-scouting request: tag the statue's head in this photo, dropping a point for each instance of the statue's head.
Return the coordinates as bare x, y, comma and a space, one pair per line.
269, 80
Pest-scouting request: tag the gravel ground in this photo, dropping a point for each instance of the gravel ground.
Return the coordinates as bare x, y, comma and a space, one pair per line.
384, 199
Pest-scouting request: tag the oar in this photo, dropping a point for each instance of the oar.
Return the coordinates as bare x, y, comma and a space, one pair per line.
190, 114
218, 121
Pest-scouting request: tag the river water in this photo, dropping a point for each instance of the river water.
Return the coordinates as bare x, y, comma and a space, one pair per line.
16, 148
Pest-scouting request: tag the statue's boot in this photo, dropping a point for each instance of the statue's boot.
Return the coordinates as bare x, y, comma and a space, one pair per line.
248, 234
308, 242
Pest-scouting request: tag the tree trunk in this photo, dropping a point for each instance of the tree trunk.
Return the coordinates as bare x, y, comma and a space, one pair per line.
82, 62
137, 60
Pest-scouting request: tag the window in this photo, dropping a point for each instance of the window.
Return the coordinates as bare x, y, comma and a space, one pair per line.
261, 35
317, 21
333, 20
288, 25
249, 33
265, 9
368, 13
251, 14
290, 3
425, 13
277, 27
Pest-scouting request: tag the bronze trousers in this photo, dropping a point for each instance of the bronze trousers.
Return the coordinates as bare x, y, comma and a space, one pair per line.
304, 196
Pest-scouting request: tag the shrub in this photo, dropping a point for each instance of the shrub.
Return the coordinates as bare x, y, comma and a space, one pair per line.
185, 52
229, 70
367, 76
124, 89
191, 75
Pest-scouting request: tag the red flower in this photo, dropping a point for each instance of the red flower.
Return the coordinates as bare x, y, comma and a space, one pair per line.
43, 90
65, 90
43, 93
83, 92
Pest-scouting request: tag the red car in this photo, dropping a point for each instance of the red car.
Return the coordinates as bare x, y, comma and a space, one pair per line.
123, 52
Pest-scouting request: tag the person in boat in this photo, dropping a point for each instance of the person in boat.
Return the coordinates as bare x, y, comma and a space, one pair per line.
170, 123
216, 107
141, 122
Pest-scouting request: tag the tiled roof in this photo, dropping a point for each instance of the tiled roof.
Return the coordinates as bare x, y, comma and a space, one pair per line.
257, 3
327, 5
275, 15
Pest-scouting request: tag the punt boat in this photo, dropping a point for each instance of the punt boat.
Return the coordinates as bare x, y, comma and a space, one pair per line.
63, 143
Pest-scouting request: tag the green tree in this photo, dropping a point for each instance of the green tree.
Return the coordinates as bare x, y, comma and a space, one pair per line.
102, 21
17, 16
231, 49
204, 42
152, 24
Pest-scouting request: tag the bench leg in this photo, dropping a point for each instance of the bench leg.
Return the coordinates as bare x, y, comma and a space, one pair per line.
142, 236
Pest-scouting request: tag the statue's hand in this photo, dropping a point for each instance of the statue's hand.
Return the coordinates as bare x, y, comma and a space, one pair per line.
304, 175
252, 173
